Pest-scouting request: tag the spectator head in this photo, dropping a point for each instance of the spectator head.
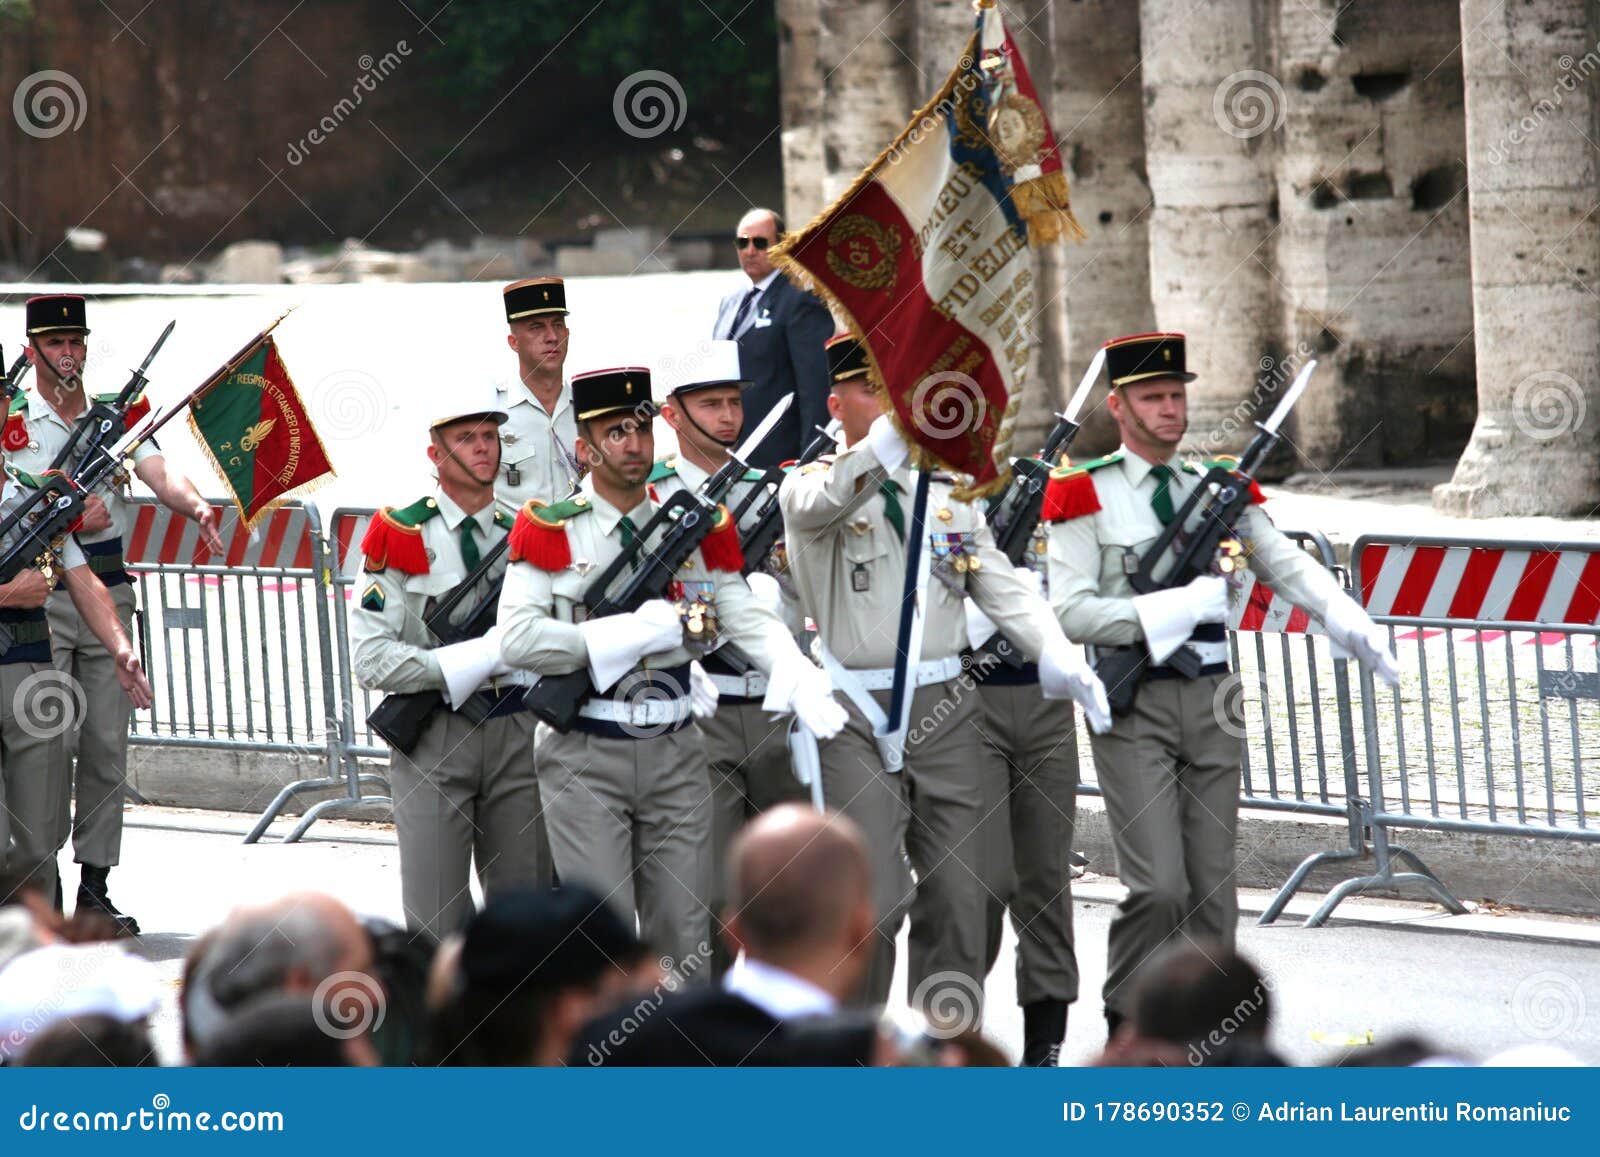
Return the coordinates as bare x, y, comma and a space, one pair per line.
759, 230
61, 981
285, 1028
91, 1041
533, 967
800, 897
1201, 997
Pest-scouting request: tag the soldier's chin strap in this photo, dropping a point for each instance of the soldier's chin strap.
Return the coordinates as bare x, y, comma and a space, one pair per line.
688, 417
1138, 423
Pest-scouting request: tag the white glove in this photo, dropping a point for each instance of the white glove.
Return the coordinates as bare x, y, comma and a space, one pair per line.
767, 591
616, 643
886, 443
1168, 618
703, 693
798, 685
1063, 674
1354, 633
467, 664
980, 627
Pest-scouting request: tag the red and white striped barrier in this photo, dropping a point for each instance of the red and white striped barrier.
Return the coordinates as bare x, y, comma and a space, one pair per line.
160, 537
349, 528
1434, 579
1257, 608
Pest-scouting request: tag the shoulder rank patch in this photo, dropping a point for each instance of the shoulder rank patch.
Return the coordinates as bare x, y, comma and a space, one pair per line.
1069, 494
32, 481
666, 468
539, 535
394, 538
372, 599
502, 519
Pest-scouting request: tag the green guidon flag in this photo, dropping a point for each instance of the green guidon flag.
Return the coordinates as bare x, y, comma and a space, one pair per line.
259, 434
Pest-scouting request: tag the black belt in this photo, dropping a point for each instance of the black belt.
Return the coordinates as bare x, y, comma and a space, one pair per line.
482, 705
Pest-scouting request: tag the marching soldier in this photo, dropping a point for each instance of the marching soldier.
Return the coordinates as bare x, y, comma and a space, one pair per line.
749, 758
94, 763
30, 750
537, 458
626, 790
1030, 775
1169, 769
467, 792
845, 522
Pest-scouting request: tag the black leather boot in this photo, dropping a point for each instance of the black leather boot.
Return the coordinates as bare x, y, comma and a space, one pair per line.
92, 897
1044, 1028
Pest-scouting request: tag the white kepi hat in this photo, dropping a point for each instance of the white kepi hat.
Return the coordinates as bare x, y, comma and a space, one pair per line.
452, 405
710, 363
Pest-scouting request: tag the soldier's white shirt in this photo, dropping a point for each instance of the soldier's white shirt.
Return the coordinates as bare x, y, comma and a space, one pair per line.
1089, 584
389, 639
537, 446
538, 608
12, 495
47, 433
848, 564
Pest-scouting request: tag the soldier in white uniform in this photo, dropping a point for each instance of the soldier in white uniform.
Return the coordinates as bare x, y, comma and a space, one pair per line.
94, 764
467, 792
845, 521
1169, 769
537, 459
747, 746
626, 791
30, 699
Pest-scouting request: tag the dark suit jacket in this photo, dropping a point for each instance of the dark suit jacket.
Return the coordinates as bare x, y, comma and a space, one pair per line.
707, 1025
781, 352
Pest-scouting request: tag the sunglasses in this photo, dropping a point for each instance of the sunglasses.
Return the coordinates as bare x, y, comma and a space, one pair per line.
742, 243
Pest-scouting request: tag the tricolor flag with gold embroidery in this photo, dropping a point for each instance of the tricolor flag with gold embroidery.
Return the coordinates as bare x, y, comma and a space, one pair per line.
926, 256
258, 433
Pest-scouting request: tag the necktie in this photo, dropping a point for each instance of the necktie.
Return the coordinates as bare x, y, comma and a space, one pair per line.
1161, 500
892, 509
469, 543
628, 531
743, 310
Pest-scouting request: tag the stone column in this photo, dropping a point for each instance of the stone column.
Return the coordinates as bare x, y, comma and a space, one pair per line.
800, 105
1097, 111
1532, 80
868, 84
1212, 113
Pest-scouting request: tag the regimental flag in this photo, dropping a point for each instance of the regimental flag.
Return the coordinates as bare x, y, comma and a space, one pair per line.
926, 256
258, 433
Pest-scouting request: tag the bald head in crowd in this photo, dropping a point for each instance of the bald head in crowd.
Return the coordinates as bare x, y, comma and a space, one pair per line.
800, 897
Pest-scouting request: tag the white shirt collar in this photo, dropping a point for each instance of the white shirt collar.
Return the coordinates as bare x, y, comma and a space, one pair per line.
778, 993
766, 281
454, 516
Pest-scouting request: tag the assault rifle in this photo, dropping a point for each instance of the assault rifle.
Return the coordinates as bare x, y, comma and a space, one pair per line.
98, 424
764, 533
1221, 499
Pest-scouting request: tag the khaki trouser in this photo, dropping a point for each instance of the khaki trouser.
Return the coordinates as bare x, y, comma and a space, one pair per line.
631, 818
93, 767
32, 719
926, 817
1031, 775
748, 753
466, 794
1170, 775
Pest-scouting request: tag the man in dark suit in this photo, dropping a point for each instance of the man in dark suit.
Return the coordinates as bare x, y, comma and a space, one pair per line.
780, 330
800, 910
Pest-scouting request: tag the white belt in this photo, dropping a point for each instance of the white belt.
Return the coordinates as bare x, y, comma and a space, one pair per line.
932, 671
750, 685
639, 713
